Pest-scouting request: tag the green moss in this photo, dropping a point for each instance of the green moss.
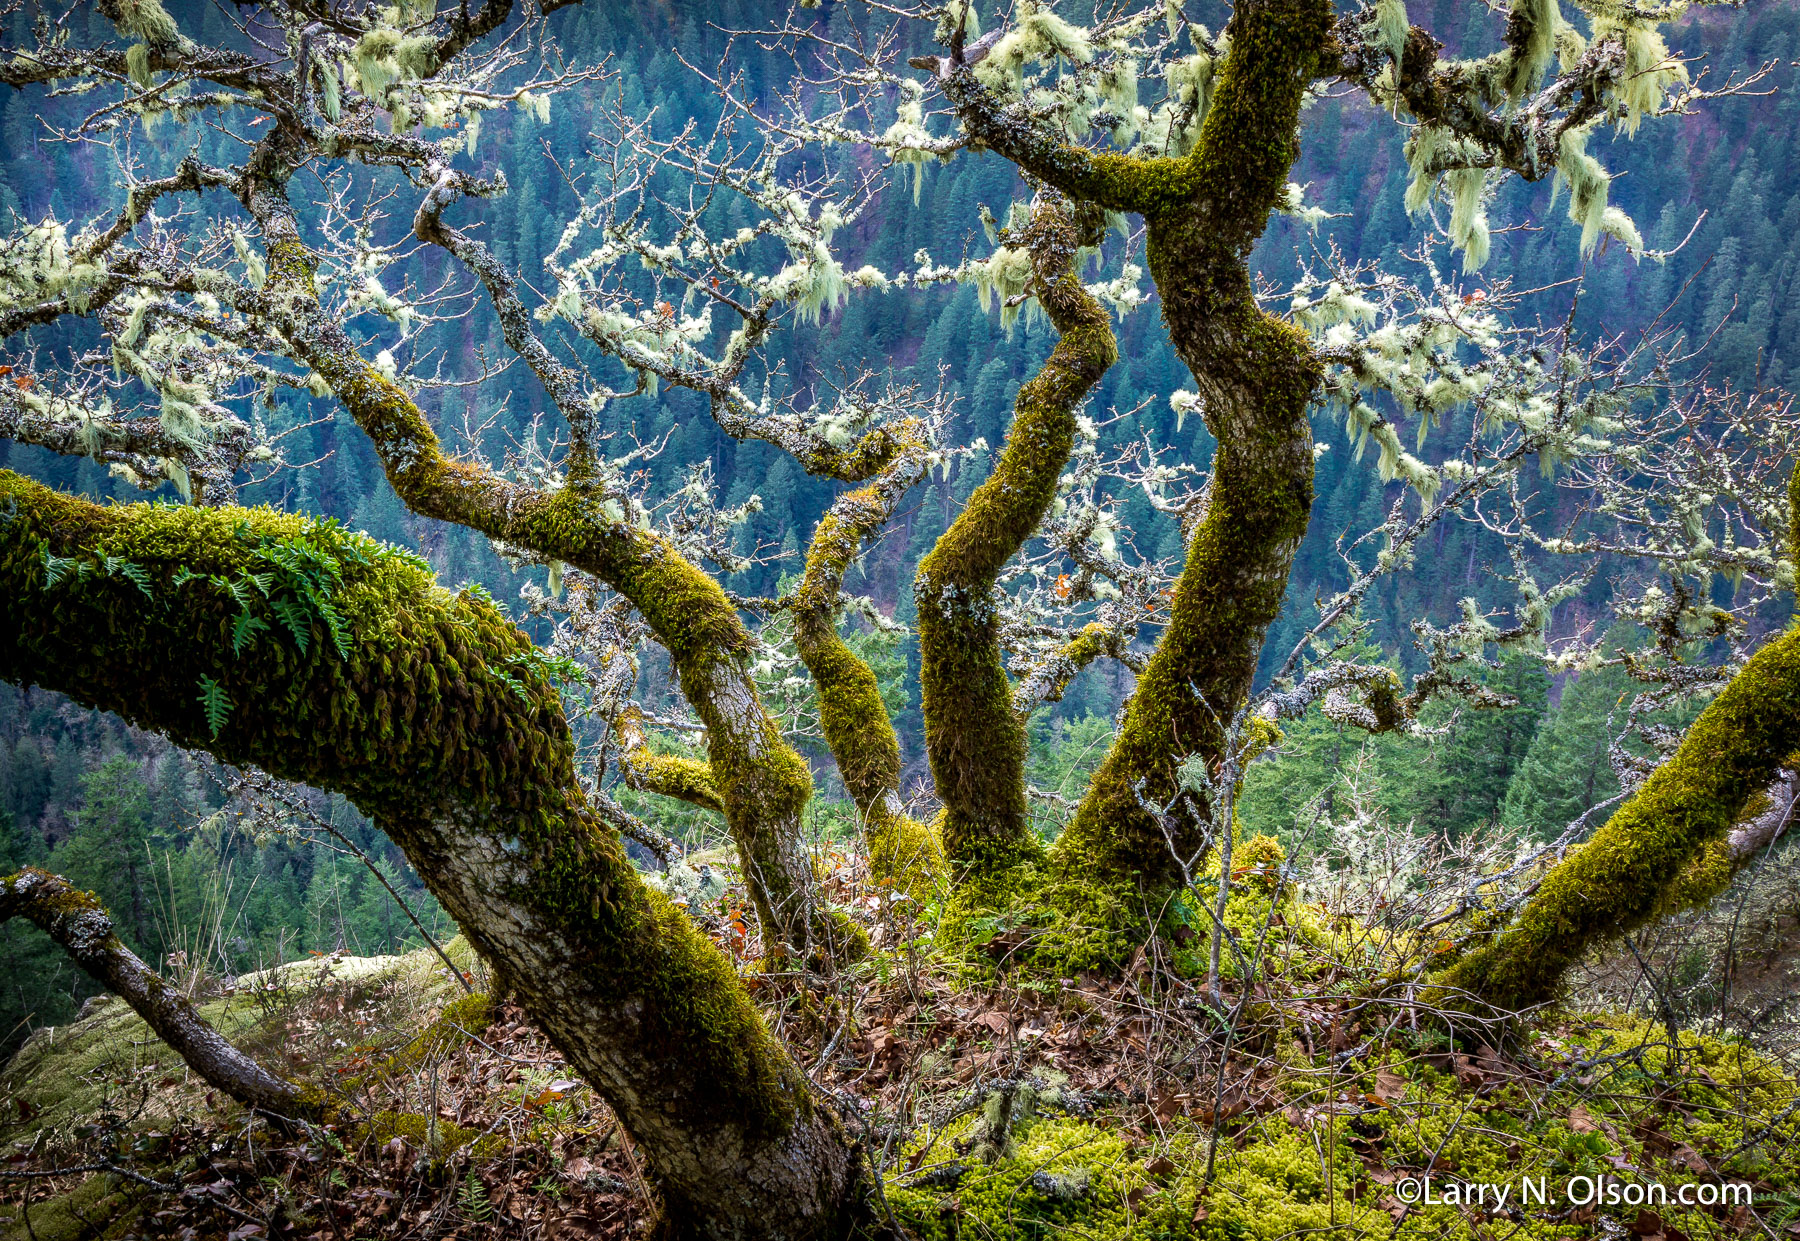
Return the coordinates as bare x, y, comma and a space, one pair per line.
436, 1138
1274, 1179
1635, 865
99, 1207
905, 856
461, 1018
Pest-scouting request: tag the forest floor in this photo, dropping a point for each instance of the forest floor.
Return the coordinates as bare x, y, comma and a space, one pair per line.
994, 1104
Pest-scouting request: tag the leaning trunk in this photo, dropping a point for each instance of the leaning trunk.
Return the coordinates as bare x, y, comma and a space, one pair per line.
427, 711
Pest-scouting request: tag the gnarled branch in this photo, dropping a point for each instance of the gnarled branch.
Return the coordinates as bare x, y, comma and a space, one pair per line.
81, 926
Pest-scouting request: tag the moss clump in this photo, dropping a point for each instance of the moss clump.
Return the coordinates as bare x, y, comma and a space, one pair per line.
99, 1207
452, 1029
436, 1138
1057, 1177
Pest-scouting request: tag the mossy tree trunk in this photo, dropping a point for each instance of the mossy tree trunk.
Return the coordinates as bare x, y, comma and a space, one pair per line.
81, 926
762, 784
903, 853
427, 710
1256, 375
1661, 848
974, 738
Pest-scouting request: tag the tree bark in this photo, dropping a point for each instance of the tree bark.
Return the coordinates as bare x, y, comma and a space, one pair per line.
426, 710
81, 926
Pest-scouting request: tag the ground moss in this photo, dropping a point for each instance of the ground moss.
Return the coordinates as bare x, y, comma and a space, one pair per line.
468, 1016
100, 1207
437, 1139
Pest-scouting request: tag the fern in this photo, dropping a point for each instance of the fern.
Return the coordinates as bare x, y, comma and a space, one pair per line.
245, 628
297, 619
214, 703
473, 1198
56, 568
131, 573
513, 683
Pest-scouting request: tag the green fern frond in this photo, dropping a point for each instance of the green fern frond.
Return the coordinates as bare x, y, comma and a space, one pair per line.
57, 568
296, 618
214, 703
131, 573
245, 628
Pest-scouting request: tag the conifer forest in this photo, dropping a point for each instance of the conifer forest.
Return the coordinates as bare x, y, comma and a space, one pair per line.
912, 620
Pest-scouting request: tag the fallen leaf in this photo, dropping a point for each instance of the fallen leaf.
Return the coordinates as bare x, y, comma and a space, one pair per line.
1390, 1087
1689, 1158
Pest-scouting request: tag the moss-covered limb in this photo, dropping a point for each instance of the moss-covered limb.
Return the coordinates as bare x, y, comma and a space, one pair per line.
1047, 681
1107, 179
763, 784
1765, 819
1256, 375
686, 779
433, 718
1248, 142
1622, 877
81, 926
902, 851
975, 742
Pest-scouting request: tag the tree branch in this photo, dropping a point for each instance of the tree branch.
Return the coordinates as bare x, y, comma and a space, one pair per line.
81, 927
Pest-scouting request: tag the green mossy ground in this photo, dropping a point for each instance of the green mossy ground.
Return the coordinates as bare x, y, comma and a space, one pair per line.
1292, 1172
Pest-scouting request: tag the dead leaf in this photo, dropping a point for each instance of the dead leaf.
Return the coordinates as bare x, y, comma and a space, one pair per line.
1390, 1087
1689, 1158
994, 1021
1162, 1165
1580, 1121
1647, 1224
